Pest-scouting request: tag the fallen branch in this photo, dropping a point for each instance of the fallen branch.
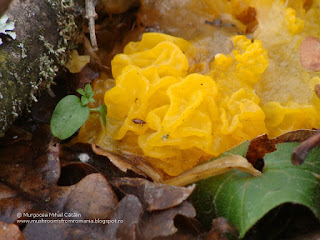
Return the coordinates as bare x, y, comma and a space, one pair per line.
91, 15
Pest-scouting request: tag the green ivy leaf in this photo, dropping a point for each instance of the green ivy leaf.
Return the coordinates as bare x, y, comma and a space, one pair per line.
244, 199
68, 116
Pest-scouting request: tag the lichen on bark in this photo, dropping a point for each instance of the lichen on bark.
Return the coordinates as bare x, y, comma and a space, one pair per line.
46, 30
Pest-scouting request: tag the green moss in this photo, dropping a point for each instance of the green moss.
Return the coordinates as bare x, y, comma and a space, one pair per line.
69, 37
23, 70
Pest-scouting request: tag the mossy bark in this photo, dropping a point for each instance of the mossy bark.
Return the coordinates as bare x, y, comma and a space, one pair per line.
46, 30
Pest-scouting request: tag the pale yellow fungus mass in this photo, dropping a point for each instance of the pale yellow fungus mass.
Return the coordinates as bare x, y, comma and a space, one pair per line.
77, 62
175, 111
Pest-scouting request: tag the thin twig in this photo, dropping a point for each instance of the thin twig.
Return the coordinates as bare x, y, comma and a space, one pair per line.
91, 15
301, 152
94, 56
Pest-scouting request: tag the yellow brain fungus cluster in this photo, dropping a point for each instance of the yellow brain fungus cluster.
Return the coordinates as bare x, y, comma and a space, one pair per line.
176, 114
177, 117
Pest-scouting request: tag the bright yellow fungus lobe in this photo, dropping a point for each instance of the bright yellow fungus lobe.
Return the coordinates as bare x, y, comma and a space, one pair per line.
77, 62
176, 111
186, 116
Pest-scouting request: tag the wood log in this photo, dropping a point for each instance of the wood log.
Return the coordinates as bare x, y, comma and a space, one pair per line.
45, 31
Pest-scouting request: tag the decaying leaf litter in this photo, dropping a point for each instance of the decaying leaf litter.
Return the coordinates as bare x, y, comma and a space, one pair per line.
33, 181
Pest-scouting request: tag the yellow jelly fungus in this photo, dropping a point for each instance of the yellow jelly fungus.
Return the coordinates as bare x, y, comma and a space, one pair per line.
175, 114
183, 117
77, 62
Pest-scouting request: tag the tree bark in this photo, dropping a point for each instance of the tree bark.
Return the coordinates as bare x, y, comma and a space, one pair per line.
45, 30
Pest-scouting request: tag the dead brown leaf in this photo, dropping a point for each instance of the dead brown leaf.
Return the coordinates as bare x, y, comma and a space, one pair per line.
154, 196
14, 135
310, 53
134, 224
295, 136
74, 172
188, 229
221, 230
32, 182
161, 223
258, 148
92, 197
163, 205
127, 161
27, 173
85, 76
10, 232
309, 236
82, 152
120, 162
130, 211
262, 145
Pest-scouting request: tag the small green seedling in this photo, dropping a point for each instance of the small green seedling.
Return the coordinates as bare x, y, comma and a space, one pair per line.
72, 112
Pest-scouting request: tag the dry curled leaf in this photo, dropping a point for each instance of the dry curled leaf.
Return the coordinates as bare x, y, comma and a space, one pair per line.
154, 196
127, 161
161, 223
129, 210
162, 204
92, 197
258, 147
76, 198
120, 162
262, 145
82, 152
295, 136
213, 168
29, 174
188, 229
310, 53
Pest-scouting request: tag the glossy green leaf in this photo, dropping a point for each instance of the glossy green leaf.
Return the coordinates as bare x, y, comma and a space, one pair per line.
244, 199
68, 116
